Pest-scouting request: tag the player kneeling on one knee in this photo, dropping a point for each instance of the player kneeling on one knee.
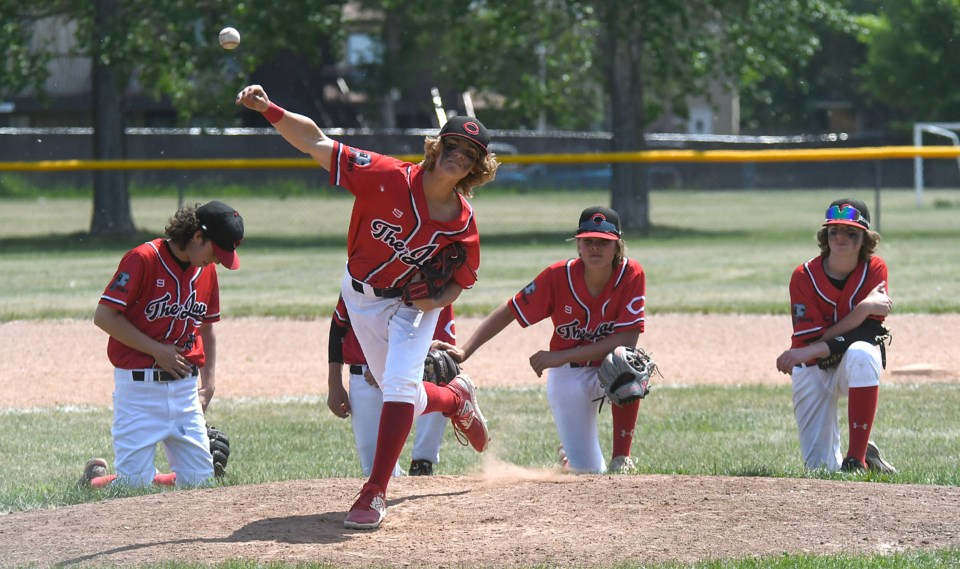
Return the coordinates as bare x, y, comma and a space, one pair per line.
839, 300
596, 303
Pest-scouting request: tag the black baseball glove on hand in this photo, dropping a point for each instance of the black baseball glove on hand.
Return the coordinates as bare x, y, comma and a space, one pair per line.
871, 331
435, 273
625, 374
220, 449
439, 367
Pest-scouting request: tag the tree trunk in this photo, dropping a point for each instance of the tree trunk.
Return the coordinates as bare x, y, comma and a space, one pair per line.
111, 199
624, 45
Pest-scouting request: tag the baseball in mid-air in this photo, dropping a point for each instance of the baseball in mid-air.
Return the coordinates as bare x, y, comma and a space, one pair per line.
229, 38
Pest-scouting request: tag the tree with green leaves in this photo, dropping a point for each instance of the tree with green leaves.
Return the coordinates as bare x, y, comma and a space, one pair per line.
613, 63
910, 58
170, 48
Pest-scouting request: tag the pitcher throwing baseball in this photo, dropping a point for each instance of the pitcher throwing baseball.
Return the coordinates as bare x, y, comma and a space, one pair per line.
410, 223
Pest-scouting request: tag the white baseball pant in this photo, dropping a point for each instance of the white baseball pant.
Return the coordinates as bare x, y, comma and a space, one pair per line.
146, 413
816, 397
395, 339
574, 395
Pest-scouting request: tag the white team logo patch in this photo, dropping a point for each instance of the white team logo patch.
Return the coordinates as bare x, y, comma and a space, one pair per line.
636, 302
799, 311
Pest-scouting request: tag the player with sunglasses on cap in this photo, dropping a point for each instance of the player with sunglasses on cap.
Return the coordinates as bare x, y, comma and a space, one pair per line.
596, 302
403, 216
839, 300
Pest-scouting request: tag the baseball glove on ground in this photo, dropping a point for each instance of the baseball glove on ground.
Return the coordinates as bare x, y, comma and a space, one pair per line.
220, 449
435, 273
439, 367
625, 374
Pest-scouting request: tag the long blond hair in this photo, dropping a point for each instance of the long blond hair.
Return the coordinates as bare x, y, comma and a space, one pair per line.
483, 172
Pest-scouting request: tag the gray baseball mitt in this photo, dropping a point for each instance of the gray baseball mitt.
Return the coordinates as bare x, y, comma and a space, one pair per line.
625, 374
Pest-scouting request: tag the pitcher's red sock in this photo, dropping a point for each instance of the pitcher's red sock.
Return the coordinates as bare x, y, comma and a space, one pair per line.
861, 410
624, 421
439, 399
396, 421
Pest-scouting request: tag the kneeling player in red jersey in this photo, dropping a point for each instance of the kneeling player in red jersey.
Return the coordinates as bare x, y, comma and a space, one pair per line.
839, 300
159, 310
596, 302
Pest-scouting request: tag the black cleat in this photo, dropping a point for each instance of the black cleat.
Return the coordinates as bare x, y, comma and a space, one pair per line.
421, 467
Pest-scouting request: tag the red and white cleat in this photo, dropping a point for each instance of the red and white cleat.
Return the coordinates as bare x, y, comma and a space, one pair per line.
468, 420
369, 509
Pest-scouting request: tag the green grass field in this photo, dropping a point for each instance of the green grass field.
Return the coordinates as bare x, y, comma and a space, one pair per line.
741, 431
708, 252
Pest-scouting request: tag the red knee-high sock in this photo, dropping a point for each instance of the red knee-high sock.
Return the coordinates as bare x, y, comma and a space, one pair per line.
168, 479
396, 421
102, 481
439, 399
624, 421
861, 409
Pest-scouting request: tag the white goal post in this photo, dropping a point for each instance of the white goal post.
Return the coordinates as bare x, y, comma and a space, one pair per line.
944, 129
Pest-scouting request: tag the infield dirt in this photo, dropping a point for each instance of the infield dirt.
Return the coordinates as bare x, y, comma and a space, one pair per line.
503, 516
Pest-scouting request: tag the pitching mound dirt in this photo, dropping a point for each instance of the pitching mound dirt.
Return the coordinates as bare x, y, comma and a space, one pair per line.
504, 516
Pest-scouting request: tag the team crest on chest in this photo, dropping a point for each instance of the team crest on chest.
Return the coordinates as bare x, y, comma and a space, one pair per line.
163, 307
575, 331
389, 234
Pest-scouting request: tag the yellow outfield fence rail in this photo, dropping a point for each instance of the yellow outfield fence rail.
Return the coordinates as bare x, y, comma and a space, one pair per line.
873, 154
646, 156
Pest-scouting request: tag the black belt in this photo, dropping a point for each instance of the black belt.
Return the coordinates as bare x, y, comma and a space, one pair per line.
575, 365
159, 375
356, 369
380, 292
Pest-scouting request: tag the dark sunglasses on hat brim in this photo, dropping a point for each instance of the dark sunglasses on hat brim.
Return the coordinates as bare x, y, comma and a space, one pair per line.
846, 213
591, 226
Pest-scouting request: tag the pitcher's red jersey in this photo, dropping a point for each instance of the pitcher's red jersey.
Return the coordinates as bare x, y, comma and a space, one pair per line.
163, 301
391, 232
560, 292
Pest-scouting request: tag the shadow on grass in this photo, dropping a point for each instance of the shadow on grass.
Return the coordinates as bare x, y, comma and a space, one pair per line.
85, 242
